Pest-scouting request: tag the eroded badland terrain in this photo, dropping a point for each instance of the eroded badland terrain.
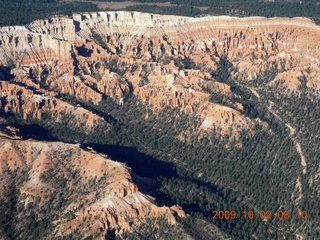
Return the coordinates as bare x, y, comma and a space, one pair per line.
231, 102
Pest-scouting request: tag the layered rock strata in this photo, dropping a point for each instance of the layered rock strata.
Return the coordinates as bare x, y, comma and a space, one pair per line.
101, 194
93, 55
19, 100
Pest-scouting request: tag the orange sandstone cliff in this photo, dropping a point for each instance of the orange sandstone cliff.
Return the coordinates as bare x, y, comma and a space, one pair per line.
80, 191
92, 55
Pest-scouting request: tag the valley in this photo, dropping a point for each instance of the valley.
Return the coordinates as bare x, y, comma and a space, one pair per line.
137, 123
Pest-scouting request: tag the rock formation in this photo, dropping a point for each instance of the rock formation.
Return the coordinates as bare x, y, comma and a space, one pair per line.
163, 61
92, 55
17, 99
100, 191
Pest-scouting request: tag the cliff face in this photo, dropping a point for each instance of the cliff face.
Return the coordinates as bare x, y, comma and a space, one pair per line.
17, 99
164, 62
84, 191
113, 53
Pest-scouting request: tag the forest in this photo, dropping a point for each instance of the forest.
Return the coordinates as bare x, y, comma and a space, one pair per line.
213, 172
202, 174
242, 8
24, 12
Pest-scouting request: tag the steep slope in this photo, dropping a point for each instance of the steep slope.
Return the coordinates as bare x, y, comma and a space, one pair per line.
114, 53
17, 99
230, 102
70, 191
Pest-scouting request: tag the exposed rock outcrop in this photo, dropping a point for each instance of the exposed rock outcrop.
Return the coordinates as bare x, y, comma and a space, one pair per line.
97, 192
154, 57
17, 99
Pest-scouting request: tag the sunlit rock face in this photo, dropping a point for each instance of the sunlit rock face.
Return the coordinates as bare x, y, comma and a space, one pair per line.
94, 191
165, 62
92, 55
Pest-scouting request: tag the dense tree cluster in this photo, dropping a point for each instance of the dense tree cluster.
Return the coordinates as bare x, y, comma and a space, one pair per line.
212, 172
241, 8
204, 173
25, 11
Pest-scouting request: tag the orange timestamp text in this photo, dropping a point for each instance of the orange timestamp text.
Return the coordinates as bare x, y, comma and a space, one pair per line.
263, 214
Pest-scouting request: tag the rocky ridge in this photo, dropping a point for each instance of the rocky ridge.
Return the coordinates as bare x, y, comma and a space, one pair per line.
20, 100
92, 55
163, 61
97, 192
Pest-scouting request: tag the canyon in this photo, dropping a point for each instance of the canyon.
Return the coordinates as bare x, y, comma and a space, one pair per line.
143, 48
221, 71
